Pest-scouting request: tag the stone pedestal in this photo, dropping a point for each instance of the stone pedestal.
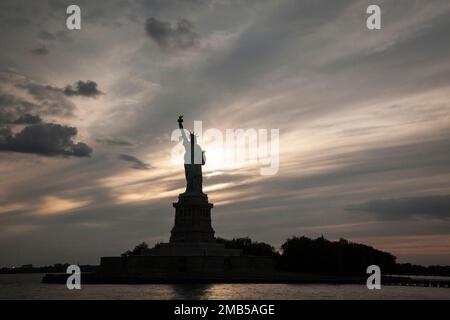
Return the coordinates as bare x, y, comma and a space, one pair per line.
192, 234
192, 219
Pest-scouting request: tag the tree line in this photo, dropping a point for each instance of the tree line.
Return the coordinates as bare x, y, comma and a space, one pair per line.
322, 256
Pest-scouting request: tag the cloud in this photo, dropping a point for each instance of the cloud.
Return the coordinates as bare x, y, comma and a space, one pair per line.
56, 205
115, 142
405, 208
171, 38
60, 35
83, 88
44, 139
137, 164
20, 95
45, 35
40, 51
15, 110
28, 119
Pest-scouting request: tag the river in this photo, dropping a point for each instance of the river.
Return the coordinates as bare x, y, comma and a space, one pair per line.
29, 286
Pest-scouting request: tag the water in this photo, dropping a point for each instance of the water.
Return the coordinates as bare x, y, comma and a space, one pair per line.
29, 286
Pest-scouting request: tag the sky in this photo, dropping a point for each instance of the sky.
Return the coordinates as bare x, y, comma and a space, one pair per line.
86, 118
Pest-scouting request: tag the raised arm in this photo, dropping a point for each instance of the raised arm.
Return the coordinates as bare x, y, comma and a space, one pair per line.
180, 125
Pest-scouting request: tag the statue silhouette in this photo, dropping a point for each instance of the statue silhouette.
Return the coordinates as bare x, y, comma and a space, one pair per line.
194, 158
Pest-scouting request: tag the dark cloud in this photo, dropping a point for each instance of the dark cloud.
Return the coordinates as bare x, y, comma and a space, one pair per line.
45, 35
404, 208
83, 88
44, 100
15, 110
61, 35
168, 37
17, 22
137, 164
162, 6
115, 142
28, 119
27, 107
40, 92
45, 139
40, 51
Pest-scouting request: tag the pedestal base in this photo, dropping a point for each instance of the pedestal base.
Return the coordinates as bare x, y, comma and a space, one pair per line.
189, 249
192, 219
185, 267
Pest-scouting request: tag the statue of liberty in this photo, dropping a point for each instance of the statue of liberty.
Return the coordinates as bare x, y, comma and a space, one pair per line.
194, 159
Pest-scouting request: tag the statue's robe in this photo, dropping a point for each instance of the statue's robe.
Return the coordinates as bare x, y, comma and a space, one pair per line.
193, 160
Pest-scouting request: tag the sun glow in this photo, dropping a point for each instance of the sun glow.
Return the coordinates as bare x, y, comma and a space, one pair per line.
55, 205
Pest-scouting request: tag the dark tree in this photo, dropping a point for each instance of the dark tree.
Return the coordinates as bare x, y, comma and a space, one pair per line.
412, 269
136, 251
301, 254
248, 246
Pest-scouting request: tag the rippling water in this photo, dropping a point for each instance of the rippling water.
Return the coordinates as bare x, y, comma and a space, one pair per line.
29, 286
